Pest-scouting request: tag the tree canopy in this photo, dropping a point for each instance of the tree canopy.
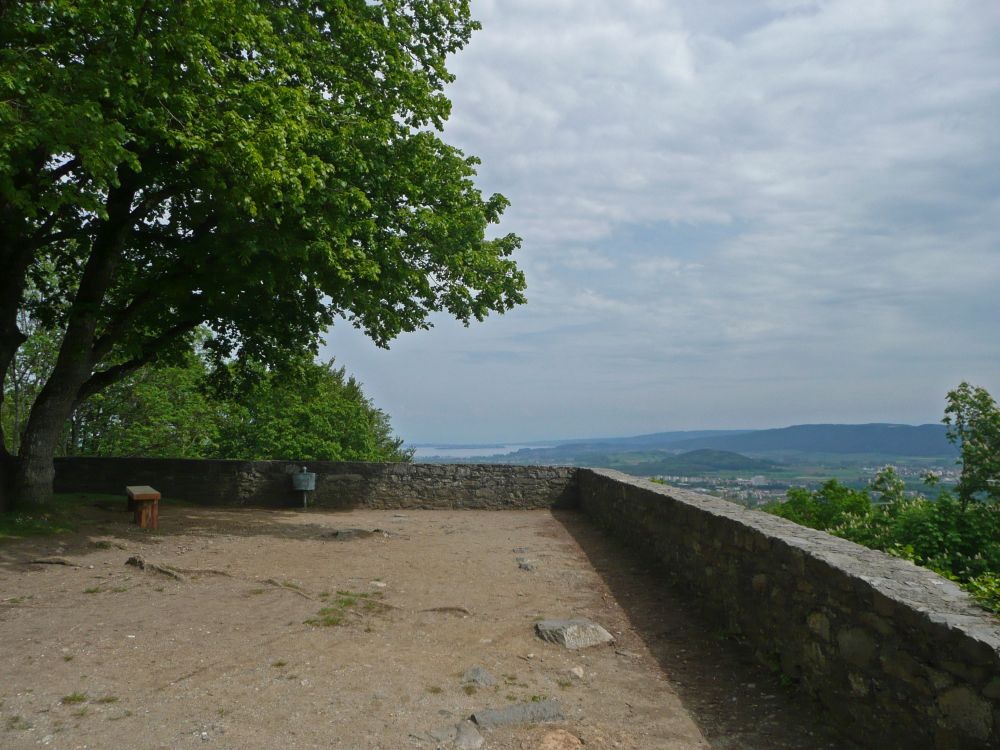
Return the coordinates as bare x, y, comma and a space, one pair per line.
973, 420
257, 167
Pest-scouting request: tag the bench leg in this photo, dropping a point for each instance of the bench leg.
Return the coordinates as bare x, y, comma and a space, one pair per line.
147, 514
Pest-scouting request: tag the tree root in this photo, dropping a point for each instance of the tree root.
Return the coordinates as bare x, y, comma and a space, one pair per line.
54, 561
286, 587
138, 562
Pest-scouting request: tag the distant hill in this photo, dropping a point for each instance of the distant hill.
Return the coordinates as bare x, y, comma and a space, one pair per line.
698, 462
652, 440
799, 444
927, 440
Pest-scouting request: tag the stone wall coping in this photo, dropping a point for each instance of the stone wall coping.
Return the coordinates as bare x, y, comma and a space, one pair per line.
929, 596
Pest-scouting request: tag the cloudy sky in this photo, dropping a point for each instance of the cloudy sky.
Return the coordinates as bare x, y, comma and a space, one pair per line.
735, 214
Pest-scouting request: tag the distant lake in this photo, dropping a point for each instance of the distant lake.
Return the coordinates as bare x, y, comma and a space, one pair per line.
431, 451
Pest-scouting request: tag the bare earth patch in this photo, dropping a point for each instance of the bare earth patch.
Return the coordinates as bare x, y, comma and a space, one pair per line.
264, 629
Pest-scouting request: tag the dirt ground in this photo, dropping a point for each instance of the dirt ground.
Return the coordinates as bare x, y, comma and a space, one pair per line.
277, 632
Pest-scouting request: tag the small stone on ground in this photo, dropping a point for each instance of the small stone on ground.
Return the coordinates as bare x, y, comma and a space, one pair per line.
468, 737
461, 736
478, 676
519, 713
573, 634
344, 535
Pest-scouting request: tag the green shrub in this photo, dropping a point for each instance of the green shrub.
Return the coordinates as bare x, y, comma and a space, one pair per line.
959, 540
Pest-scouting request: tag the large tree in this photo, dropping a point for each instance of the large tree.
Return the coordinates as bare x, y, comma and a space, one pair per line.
259, 167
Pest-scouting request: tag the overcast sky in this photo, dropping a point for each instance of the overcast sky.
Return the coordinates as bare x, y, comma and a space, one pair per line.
735, 214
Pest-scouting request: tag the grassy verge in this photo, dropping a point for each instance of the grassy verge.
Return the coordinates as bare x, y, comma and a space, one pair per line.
60, 516
57, 517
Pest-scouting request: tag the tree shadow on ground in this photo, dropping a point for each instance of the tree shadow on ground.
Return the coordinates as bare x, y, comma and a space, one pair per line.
736, 702
107, 522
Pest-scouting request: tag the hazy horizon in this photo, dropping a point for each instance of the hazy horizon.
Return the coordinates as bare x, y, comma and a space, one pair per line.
596, 437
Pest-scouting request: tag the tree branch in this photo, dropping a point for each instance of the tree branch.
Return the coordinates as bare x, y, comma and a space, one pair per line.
150, 201
63, 169
151, 349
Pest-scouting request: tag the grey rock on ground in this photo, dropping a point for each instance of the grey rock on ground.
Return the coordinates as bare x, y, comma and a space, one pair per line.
468, 737
478, 676
444, 735
519, 713
573, 634
461, 736
525, 564
345, 535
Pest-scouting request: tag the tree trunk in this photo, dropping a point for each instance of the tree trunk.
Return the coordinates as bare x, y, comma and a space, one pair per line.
31, 484
35, 469
8, 469
76, 360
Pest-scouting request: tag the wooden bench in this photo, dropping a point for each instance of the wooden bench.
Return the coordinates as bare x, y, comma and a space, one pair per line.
144, 502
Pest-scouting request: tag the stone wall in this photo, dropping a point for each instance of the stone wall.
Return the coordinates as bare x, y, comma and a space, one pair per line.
338, 484
900, 656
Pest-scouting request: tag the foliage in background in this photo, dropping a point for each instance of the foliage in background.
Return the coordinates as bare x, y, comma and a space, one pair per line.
161, 411
312, 411
960, 541
304, 410
973, 421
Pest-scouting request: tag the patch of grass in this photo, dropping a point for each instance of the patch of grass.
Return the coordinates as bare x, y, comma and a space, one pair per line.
119, 589
57, 517
348, 598
103, 544
68, 700
469, 689
124, 715
347, 601
279, 664
105, 699
564, 683
538, 698
81, 712
255, 592
17, 723
18, 599
93, 590
291, 585
327, 617
67, 657
511, 697
435, 690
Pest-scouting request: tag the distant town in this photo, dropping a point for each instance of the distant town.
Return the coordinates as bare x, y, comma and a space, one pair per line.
760, 489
